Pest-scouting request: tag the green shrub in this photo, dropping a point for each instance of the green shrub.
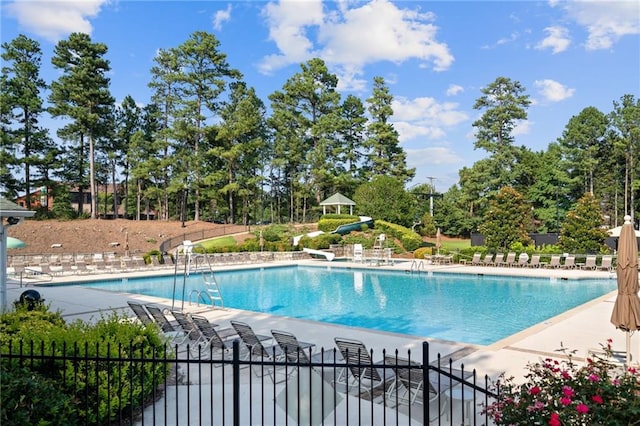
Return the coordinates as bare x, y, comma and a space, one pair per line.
330, 225
153, 253
29, 398
112, 336
322, 241
394, 229
421, 252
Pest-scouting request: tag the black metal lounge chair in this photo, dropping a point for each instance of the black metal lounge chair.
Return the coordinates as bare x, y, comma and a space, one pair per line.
218, 341
364, 375
141, 313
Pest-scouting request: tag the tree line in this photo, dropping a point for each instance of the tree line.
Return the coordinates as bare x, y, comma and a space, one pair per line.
205, 147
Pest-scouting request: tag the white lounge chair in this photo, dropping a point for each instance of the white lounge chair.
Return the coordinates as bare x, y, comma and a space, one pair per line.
358, 253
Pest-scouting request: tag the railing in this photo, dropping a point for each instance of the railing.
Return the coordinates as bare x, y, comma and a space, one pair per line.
229, 389
203, 234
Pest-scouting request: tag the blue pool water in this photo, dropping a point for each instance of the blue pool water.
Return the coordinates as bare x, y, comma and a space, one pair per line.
458, 307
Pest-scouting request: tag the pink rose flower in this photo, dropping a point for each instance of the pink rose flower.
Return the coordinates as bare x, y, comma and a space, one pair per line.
594, 378
554, 420
535, 390
582, 409
565, 400
597, 399
567, 391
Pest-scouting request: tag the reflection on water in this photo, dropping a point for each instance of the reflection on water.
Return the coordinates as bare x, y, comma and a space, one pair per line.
358, 282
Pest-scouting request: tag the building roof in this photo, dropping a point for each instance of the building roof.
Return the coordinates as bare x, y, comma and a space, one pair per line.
337, 199
9, 209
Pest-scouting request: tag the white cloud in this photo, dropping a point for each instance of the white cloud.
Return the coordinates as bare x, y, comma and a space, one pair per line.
55, 20
424, 118
505, 40
436, 155
553, 91
522, 127
605, 21
287, 21
220, 17
428, 110
557, 39
349, 38
454, 89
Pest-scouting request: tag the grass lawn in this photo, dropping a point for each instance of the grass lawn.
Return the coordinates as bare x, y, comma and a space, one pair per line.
219, 242
452, 245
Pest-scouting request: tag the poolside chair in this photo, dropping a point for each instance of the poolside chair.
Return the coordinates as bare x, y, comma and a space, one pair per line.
409, 387
606, 264
361, 373
294, 350
488, 260
192, 335
475, 260
569, 262
259, 352
45, 268
589, 263
141, 313
554, 263
498, 260
535, 261
218, 341
510, 260
167, 327
358, 253
81, 267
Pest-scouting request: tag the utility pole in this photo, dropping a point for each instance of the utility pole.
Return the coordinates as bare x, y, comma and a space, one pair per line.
431, 179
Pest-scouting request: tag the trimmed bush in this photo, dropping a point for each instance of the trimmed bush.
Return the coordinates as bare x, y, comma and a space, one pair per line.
421, 252
110, 337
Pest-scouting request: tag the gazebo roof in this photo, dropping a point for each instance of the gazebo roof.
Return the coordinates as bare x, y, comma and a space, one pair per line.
338, 199
9, 208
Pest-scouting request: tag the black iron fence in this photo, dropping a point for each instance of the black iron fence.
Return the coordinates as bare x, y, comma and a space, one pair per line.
183, 386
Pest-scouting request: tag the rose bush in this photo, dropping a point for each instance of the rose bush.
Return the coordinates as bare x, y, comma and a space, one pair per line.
555, 393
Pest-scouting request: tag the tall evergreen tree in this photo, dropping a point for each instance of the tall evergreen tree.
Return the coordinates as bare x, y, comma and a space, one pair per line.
626, 121
504, 103
164, 75
581, 141
128, 122
386, 156
240, 143
82, 94
350, 149
203, 78
21, 90
306, 119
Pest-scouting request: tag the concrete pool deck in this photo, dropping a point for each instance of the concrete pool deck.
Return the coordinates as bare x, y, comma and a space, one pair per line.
587, 326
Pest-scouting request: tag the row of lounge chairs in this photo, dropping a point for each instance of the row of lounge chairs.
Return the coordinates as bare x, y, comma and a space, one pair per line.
399, 380
555, 262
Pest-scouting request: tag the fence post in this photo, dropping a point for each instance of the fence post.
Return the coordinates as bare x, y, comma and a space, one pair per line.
425, 379
236, 382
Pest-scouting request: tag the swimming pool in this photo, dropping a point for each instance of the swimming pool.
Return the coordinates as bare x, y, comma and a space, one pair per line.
477, 309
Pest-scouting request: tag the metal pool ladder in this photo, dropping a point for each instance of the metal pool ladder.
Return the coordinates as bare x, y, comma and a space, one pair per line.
201, 263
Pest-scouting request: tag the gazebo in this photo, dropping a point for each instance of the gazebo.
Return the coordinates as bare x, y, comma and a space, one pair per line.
337, 200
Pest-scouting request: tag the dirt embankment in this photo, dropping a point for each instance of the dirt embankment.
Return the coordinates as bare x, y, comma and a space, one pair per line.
98, 235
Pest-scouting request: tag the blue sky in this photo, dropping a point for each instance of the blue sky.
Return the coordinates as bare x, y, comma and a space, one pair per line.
435, 56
